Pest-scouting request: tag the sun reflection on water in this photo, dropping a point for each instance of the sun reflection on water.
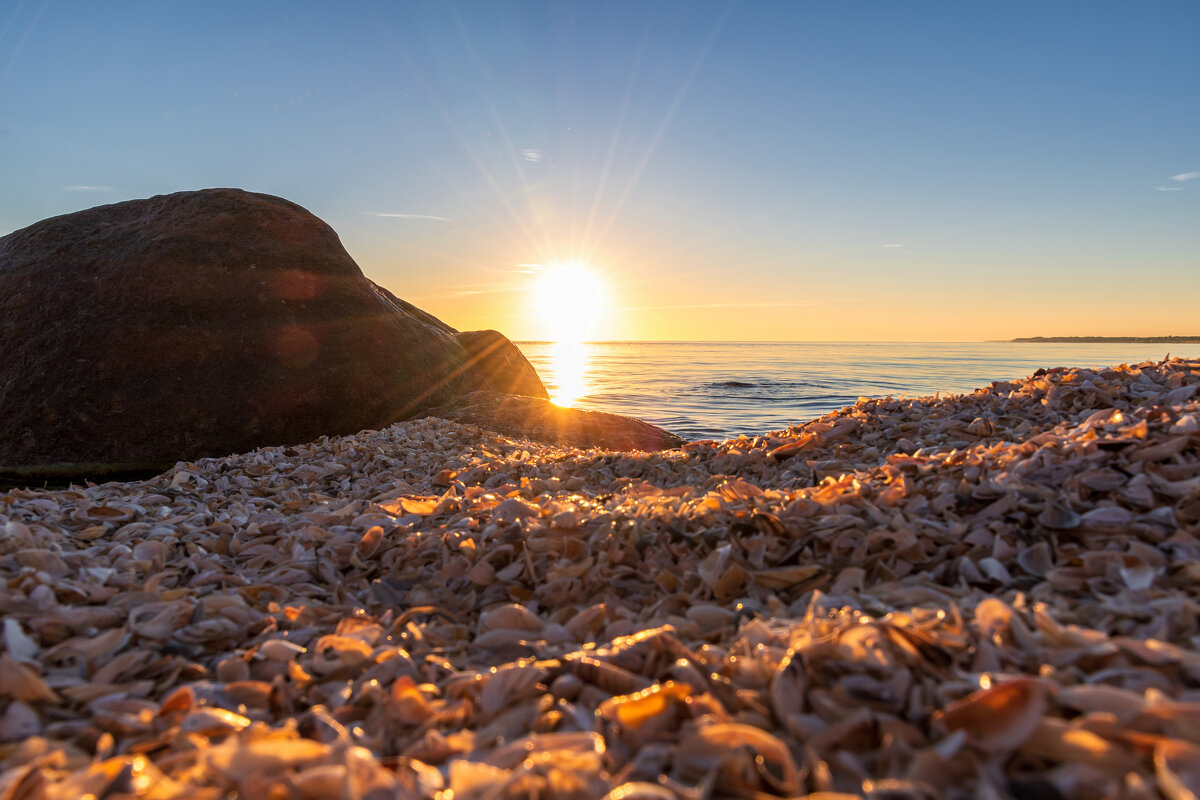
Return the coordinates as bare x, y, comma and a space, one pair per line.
569, 365
568, 299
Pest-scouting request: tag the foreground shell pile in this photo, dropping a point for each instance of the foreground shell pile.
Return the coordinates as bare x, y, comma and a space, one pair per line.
986, 596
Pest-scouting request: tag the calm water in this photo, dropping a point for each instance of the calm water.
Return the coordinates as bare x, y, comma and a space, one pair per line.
710, 390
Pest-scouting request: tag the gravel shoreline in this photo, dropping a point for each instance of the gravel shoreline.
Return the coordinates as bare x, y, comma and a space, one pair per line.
986, 595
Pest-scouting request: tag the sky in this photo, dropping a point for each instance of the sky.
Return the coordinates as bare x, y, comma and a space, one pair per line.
886, 171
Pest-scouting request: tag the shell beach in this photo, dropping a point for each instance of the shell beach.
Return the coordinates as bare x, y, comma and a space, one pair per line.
991, 595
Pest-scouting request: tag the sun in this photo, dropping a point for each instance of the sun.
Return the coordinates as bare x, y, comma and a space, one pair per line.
569, 298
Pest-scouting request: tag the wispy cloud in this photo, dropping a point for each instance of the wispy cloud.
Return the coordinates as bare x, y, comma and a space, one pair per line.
532, 155
1168, 188
397, 215
891, 245
80, 188
1186, 176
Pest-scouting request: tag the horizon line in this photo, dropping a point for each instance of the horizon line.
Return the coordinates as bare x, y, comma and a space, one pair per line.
1172, 339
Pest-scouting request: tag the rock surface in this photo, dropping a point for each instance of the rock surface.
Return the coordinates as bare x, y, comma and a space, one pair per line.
205, 323
542, 421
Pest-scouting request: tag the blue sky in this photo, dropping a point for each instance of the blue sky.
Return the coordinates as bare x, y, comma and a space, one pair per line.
799, 170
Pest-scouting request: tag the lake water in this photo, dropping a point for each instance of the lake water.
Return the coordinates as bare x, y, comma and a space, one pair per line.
703, 390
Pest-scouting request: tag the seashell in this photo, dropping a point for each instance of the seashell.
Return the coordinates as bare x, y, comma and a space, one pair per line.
781, 578
898, 789
104, 513
1036, 559
22, 682
1089, 698
321, 781
159, 620
510, 617
1106, 518
42, 560
1102, 480
1061, 741
213, 722
650, 712
1058, 518
409, 704
993, 618
640, 790
333, 653
238, 759
471, 778
566, 686
421, 506
482, 574
371, 540
710, 617
182, 699
511, 510
1177, 766
116, 776
790, 449
18, 722
504, 639
1000, 718
509, 684
130, 664
566, 520
586, 623
1160, 451
788, 688
748, 759
19, 644
739, 490
251, 694
280, 650
981, 427
582, 750
609, 677
1136, 573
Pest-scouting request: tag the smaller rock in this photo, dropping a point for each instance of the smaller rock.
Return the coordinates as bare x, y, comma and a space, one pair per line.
498, 365
542, 421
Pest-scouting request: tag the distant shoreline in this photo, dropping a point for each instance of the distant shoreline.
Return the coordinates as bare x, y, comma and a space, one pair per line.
1113, 339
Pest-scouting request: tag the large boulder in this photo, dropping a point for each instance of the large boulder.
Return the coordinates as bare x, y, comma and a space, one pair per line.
206, 323
539, 419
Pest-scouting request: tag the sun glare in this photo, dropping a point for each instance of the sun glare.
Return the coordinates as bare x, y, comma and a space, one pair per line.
569, 299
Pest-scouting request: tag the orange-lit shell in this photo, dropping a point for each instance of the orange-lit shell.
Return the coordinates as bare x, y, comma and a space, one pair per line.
1000, 718
640, 790
333, 653
648, 712
208, 721
1177, 766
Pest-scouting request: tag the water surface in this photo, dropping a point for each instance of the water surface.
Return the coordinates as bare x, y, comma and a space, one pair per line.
719, 389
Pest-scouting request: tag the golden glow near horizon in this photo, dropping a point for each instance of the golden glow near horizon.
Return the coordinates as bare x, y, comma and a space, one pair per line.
568, 300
